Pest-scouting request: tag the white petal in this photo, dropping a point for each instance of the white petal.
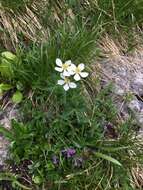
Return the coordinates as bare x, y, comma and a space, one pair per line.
66, 87
62, 76
72, 85
84, 74
76, 77
68, 62
59, 62
71, 72
81, 66
66, 73
61, 82
72, 67
58, 69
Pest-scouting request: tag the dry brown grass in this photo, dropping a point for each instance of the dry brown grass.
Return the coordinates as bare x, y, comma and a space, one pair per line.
137, 174
28, 23
24, 22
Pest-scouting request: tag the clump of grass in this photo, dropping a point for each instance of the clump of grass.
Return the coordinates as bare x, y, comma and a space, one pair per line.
20, 25
66, 43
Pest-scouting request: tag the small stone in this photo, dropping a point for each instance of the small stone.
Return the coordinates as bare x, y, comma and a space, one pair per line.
9, 113
119, 91
134, 106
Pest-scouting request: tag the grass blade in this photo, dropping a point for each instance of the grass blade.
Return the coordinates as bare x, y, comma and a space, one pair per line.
108, 158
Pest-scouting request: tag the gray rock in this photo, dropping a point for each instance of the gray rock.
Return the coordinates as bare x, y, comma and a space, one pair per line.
126, 75
135, 106
6, 115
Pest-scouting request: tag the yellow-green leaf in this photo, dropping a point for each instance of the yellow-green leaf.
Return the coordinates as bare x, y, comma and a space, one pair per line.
17, 97
5, 87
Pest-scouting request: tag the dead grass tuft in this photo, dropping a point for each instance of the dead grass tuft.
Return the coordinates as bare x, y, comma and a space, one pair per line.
137, 174
27, 23
24, 23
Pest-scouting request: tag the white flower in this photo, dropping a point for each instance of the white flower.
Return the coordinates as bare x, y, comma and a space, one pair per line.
67, 84
77, 71
63, 67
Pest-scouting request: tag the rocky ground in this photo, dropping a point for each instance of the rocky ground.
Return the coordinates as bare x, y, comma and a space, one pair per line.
7, 113
127, 78
125, 72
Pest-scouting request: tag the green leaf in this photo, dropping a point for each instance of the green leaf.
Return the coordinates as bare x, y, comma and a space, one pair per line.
6, 69
5, 87
17, 97
8, 55
37, 179
109, 158
6, 133
19, 86
7, 61
114, 149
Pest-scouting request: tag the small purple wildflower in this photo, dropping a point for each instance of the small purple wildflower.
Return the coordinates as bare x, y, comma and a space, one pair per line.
68, 153
78, 162
55, 160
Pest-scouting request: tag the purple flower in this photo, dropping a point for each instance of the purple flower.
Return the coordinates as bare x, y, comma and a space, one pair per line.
55, 160
78, 162
68, 153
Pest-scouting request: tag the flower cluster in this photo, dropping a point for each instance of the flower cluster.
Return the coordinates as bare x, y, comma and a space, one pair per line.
68, 70
69, 154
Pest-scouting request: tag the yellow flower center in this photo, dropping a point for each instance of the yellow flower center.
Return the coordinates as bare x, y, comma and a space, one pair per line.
67, 80
65, 66
77, 70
